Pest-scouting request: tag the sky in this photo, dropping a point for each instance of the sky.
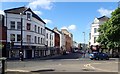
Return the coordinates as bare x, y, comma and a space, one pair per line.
76, 17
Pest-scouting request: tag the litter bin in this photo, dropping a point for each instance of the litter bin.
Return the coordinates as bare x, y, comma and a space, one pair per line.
2, 65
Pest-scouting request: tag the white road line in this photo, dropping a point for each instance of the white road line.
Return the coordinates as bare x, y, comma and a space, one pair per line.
17, 70
89, 66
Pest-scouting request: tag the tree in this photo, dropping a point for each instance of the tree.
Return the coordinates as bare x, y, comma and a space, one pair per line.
110, 31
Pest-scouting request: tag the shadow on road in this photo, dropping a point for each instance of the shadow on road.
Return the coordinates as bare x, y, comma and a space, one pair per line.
62, 73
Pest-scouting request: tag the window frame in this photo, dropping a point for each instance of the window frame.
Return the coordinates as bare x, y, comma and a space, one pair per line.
12, 25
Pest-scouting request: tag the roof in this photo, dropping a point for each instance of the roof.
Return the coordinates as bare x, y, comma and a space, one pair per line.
23, 10
103, 18
57, 30
49, 29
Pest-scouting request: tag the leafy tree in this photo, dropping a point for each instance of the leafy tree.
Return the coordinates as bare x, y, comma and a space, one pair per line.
110, 31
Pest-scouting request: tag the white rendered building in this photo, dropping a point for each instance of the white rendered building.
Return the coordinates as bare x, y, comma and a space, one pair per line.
33, 30
50, 40
94, 29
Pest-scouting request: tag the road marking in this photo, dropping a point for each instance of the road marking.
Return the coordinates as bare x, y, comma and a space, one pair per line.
17, 70
60, 64
89, 66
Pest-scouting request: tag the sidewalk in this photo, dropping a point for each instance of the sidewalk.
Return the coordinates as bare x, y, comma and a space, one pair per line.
41, 58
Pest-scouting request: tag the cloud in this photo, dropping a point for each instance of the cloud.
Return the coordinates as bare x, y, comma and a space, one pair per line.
38, 12
45, 4
70, 27
1, 12
64, 27
105, 12
47, 21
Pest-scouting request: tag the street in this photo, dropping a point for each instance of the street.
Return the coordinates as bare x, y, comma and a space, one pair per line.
72, 62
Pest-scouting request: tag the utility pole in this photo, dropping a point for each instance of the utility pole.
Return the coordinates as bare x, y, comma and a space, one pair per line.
21, 50
84, 40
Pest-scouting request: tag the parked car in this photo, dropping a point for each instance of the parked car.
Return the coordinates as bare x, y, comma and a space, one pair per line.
98, 55
65, 52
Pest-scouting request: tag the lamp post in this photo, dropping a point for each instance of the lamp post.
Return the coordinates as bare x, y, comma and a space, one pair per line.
84, 40
21, 50
84, 45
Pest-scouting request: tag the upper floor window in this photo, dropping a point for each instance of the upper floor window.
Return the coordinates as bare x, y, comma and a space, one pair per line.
28, 26
47, 42
38, 29
47, 35
95, 30
94, 39
28, 38
18, 37
12, 37
50, 36
28, 16
35, 39
39, 40
12, 24
19, 25
41, 31
35, 28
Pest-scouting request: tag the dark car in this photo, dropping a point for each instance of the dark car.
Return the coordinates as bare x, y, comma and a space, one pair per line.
99, 55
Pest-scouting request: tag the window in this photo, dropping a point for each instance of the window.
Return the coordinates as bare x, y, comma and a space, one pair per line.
28, 26
50, 36
35, 28
95, 30
47, 35
18, 37
28, 16
19, 25
39, 40
12, 37
50, 43
35, 39
28, 38
38, 29
47, 42
94, 39
12, 23
41, 30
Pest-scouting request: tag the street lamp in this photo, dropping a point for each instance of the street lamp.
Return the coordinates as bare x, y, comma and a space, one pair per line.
84, 40
21, 50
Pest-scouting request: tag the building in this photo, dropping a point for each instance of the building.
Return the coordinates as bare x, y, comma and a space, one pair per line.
3, 37
50, 41
62, 38
24, 20
69, 39
94, 27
